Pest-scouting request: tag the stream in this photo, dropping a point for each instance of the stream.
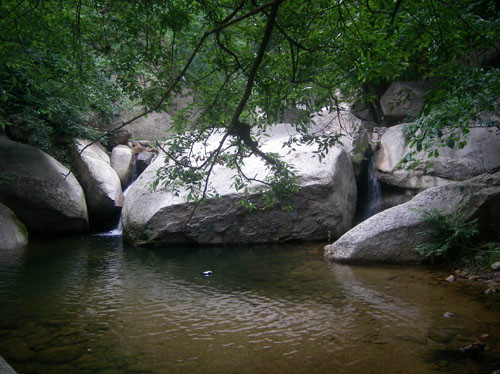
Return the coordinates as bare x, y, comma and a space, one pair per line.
90, 304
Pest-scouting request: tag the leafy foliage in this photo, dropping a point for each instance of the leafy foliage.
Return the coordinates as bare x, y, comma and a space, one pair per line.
446, 123
449, 235
53, 85
246, 63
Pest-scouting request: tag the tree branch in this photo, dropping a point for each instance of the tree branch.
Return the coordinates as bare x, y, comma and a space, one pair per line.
240, 129
226, 23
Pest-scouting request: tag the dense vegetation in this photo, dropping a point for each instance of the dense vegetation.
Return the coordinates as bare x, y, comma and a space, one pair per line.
66, 67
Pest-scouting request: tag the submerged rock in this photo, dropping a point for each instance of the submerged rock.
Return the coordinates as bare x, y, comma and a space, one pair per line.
473, 349
391, 236
42, 193
13, 233
324, 206
100, 182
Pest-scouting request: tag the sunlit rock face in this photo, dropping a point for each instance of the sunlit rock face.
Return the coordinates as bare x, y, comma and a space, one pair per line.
323, 208
480, 155
100, 182
392, 235
42, 193
122, 161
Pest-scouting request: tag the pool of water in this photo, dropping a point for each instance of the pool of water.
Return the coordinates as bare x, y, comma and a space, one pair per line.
94, 305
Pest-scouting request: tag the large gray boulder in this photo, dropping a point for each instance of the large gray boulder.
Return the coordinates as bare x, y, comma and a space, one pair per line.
354, 134
391, 236
100, 182
122, 161
13, 233
324, 207
43, 194
480, 155
402, 100
156, 125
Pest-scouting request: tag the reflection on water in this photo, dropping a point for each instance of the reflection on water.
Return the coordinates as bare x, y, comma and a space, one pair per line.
91, 305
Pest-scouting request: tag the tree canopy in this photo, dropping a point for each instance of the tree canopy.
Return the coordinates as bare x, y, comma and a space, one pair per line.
246, 62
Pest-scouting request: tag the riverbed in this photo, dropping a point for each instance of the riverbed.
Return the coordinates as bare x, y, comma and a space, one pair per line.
91, 304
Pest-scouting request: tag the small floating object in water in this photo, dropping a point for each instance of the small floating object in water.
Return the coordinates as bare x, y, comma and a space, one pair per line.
207, 273
448, 315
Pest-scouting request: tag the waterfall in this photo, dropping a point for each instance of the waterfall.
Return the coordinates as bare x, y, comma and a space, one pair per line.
373, 192
118, 230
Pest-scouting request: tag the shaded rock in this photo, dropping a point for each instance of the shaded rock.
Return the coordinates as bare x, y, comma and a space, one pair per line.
473, 349
40, 191
156, 125
495, 266
362, 111
403, 99
100, 182
390, 236
326, 204
122, 161
143, 160
355, 135
119, 137
479, 156
13, 233
394, 196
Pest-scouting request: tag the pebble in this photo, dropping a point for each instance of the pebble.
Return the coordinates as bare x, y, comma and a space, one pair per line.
495, 266
450, 279
448, 315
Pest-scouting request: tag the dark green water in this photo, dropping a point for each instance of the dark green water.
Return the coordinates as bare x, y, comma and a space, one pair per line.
92, 305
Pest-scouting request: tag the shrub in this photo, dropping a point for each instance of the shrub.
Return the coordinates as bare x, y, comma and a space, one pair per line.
449, 235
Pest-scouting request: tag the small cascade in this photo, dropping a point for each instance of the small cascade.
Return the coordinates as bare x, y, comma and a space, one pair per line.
133, 175
118, 230
374, 193
370, 198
